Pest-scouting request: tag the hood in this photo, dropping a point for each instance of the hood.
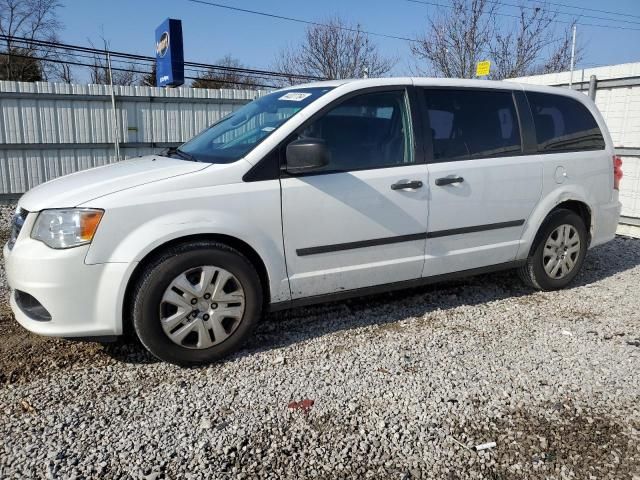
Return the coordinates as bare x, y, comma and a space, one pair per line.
81, 187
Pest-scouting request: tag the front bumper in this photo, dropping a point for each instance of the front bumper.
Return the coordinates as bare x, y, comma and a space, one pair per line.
82, 300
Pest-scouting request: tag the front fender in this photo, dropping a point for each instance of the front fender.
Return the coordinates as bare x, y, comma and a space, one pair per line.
146, 237
138, 221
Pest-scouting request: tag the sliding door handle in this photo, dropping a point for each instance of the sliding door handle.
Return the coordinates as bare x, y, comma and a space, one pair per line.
404, 184
441, 182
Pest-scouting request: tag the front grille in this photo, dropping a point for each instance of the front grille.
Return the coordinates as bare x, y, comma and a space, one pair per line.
17, 221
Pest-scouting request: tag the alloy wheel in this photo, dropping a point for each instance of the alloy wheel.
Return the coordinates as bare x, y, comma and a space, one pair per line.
561, 251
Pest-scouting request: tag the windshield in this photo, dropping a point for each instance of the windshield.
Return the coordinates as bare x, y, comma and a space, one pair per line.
237, 134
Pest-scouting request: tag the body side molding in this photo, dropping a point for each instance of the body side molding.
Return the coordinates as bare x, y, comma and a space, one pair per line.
302, 252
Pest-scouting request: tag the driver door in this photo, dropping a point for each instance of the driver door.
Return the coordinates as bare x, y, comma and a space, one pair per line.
361, 220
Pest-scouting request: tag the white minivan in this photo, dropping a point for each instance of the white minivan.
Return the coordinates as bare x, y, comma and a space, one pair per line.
316, 193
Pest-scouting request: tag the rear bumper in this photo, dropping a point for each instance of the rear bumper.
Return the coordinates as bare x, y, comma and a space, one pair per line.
82, 300
605, 223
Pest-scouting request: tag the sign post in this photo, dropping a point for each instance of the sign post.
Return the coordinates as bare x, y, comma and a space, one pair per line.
483, 68
169, 54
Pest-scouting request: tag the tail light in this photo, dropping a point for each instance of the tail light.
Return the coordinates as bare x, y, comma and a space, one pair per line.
617, 171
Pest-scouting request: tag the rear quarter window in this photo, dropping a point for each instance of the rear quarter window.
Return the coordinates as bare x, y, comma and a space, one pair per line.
563, 124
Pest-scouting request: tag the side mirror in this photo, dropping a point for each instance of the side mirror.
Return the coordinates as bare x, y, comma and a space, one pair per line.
306, 155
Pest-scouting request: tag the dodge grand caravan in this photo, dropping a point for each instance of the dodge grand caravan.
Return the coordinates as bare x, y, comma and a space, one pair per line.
316, 193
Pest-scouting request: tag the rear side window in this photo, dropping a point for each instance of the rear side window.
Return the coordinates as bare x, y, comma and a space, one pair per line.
467, 124
563, 124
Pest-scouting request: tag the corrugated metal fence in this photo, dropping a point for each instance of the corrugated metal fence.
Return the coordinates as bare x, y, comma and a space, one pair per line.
48, 130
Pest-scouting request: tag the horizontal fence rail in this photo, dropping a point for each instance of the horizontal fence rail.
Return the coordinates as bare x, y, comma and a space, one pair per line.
48, 130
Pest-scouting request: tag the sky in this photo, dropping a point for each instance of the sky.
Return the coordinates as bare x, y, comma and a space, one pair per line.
211, 33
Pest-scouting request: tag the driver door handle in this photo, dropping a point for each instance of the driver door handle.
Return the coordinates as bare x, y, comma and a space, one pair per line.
403, 184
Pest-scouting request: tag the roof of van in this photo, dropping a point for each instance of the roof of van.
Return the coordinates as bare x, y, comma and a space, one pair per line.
440, 82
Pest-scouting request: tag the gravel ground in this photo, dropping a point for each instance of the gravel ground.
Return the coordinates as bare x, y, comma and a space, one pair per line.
401, 385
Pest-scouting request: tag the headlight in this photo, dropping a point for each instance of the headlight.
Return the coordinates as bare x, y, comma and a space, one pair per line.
66, 228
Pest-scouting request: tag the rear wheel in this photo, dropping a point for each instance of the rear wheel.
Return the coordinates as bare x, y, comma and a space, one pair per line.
196, 303
558, 252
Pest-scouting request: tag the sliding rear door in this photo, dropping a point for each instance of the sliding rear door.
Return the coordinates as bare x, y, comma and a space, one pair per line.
482, 185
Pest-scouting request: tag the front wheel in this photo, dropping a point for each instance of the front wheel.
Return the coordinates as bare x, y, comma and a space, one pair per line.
196, 303
558, 252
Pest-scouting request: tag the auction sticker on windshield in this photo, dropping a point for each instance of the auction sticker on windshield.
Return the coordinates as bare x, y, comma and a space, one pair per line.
295, 96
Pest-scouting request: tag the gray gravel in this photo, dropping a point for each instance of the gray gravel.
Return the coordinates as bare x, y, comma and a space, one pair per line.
403, 386
6, 212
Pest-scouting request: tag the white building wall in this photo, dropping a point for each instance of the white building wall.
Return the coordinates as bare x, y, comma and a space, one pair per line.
620, 106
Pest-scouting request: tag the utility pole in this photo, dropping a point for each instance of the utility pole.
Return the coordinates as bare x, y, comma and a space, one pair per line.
573, 56
116, 130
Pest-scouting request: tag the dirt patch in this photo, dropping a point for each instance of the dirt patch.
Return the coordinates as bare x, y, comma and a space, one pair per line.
390, 327
25, 356
578, 314
562, 441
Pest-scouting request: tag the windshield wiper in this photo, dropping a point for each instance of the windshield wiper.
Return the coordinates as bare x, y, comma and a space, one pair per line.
181, 153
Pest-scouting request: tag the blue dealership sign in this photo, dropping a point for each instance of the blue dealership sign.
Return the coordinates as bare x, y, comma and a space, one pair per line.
169, 54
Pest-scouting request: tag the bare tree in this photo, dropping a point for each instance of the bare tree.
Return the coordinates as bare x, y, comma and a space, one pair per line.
18, 64
225, 77
457, 40
334, 49
149, 79
559, 60
99, 72
473, 30
64, 71
99, 69
23, 23
530, 47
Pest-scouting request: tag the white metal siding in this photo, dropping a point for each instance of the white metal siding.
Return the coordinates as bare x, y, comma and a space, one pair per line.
630, 187
37, 119
620, 107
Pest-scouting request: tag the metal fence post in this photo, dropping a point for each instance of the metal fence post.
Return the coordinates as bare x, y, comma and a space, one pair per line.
116, 128
593, 85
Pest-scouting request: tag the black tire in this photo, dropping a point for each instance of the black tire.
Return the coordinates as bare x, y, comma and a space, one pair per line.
159, 274
533, 273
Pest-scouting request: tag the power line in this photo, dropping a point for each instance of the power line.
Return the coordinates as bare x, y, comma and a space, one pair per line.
379, 34
623, 14
300, 20
435, 4
92, 65
93, 57
130, 56
560, 12
71, 60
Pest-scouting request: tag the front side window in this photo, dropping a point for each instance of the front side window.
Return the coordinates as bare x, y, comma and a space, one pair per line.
563, 124
239, 133
467, 124
372, 130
